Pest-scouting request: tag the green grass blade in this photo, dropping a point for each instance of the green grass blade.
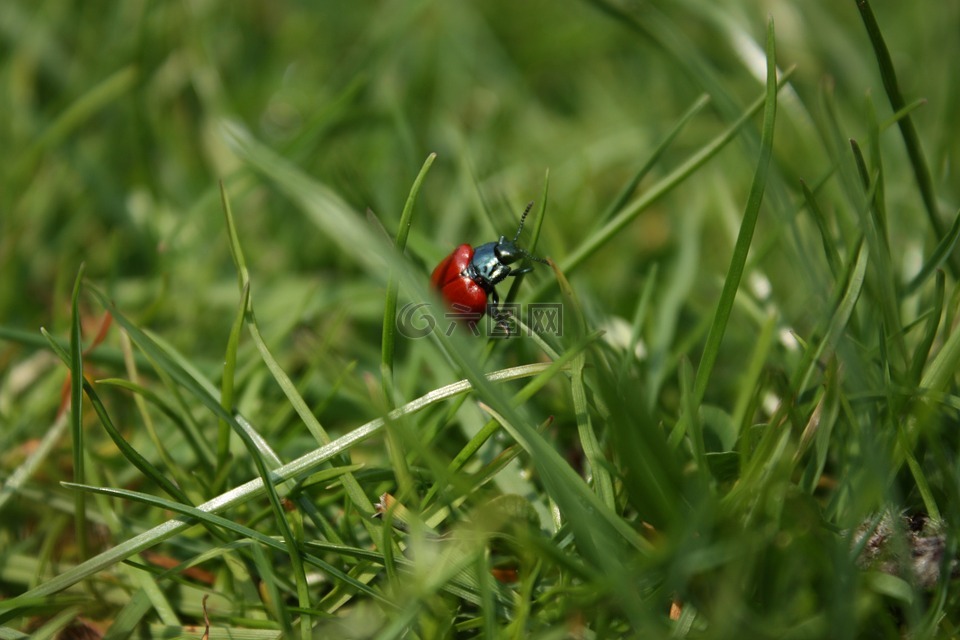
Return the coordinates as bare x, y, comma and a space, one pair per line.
751, 213
212, 520
846, 295
19, 477
302, 466
922, 351
636, 326
129, 452
667, 184
74, 116
389, 337
626, 192
829, 250
76, 415
941, 253
907, 129
945, 365
233, 341
255, 446
599, 466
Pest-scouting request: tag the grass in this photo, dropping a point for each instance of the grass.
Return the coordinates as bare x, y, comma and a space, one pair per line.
219, 418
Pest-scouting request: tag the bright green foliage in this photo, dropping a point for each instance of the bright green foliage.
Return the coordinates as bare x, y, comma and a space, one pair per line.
222, 212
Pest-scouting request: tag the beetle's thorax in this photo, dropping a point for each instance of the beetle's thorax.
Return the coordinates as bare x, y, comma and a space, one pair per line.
489, 265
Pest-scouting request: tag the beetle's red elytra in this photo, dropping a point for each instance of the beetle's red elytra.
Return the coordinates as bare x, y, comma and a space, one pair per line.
469, 275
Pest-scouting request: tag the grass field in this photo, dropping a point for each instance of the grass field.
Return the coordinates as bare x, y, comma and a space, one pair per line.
230, 404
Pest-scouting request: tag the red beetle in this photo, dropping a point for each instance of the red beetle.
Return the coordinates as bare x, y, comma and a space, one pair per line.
469, 275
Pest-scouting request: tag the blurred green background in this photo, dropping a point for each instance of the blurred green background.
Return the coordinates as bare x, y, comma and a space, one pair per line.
114, 142
121, 119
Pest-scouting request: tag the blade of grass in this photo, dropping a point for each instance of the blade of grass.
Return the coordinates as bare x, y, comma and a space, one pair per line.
389, 337
752, 211
945, 365
76, 415
80, 111
537, 224
879, 245
233, 341
905, 448
590, 443
546, 373
254, 445
272, 596
941, 253
907, 129
691, 423
129, 452
302, 466
197, 514
922, 352
13, 484
846, 295
610, 230
177, 469
620, 201
636, 327
775, 438
829, 250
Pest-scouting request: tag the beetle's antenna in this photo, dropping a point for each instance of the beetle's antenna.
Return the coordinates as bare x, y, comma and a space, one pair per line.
533, 257
523, 217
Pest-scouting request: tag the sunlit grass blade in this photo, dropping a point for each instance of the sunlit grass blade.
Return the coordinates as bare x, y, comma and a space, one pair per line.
233, 341
845, 298
13, 483
262, 463
545, 373
747, 226
589, 441
302, 466
388, 338
148, 469
668, 183
196, 514
941, 253
774, 442
922, 351
626, 192
942, 371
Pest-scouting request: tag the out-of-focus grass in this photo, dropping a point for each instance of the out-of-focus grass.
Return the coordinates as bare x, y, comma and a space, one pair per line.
712, 462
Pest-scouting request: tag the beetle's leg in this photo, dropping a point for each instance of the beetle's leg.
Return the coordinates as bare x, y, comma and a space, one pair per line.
517, 272
496, 312
495, 302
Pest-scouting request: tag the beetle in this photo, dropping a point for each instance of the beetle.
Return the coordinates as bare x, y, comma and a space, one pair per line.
466, 277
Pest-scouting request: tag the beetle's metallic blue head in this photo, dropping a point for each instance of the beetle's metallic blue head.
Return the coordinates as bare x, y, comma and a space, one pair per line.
491, 261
